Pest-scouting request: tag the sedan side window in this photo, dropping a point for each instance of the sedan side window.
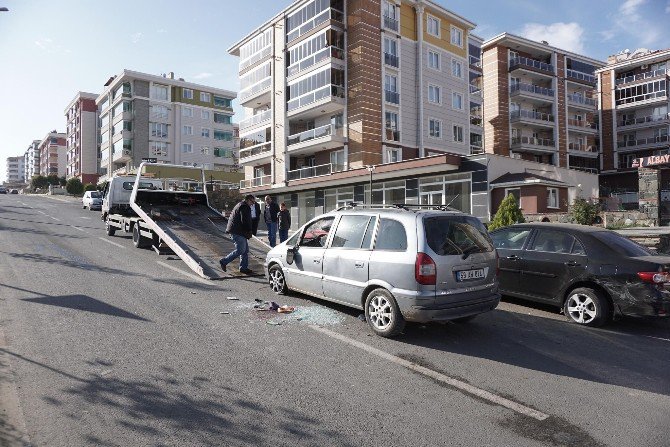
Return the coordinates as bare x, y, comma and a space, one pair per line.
552, 242
578, 249
391, 236
511, 238
350, 232
316, 233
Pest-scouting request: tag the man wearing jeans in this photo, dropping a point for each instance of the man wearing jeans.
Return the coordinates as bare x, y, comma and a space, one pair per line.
271, 219
240, 228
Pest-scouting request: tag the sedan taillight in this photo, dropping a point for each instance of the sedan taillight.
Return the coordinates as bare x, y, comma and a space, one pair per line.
654, 277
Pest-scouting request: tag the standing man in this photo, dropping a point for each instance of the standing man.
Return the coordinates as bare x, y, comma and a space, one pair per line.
255, 216
284, 218
240, 228
270, 214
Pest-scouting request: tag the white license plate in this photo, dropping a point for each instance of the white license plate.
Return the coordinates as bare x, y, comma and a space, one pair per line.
465, 275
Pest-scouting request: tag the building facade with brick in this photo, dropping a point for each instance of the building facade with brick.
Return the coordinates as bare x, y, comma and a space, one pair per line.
81, 116
53, 154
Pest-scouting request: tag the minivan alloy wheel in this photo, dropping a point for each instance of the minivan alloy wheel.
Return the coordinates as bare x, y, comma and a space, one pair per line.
380, 312
581, 308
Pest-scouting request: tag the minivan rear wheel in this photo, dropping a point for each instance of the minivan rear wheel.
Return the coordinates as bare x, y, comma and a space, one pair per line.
382, 313
587, 307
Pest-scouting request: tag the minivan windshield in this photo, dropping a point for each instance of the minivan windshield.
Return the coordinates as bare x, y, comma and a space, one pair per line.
621, 244
456, 235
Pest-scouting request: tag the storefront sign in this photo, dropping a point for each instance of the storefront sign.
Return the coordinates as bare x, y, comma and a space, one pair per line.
652, 160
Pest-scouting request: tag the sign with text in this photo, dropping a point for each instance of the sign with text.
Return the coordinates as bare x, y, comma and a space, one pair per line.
150, 160
652, 160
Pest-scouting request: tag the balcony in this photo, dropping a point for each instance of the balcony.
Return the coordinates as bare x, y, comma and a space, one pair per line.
532, 117
573, 75
259, 56
476, 148
583, 149
532, 64
257, 119
533, 144
476, 120
643, 99
649, 75
392, 97
582, 125
645, 121
314, 171
328, 14
391, 24
392, 60
643, 143
581, 101
326, 99
532, 91
392, 135
475, 62
327, 53
475, 90
324, 137
255, 153
584, 169
255, 182
259, 92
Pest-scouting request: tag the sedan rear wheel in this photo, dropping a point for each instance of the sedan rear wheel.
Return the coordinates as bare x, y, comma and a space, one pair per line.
277, 280
382, 313
587, 307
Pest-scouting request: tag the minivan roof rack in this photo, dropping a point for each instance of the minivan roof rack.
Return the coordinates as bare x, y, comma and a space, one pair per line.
402, 206
354, 205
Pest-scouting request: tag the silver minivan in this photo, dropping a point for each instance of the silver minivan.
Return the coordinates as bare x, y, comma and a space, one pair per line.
396, 264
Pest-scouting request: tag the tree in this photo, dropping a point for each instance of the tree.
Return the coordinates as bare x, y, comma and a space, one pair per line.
53, 179
90, 187
74, 186
508, 214
39, 182
584, 212
62, 181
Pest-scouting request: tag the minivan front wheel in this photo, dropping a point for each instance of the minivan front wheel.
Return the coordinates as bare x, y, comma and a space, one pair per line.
382, 313
587, 307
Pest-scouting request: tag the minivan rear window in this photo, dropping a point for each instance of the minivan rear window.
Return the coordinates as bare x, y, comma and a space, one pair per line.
456, 235
143, 185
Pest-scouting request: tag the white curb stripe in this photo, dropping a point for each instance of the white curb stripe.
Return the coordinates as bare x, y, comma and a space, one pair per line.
110, 242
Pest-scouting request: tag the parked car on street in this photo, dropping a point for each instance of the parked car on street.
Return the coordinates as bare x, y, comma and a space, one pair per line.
3, 190
13, 191
92, 200
592, 273
396, 264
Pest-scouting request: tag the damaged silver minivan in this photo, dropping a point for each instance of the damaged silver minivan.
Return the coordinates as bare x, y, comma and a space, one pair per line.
398, 264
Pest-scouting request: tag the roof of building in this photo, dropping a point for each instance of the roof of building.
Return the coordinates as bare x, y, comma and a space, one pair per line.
525, 178
639, 56
80, 95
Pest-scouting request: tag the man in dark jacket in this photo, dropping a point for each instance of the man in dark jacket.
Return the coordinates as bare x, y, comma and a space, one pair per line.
271, 219
240, 228
255, 216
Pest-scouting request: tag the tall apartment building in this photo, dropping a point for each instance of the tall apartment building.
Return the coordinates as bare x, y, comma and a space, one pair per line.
31, 160
53, 154
633, 95
81, 115
15, 172
171, 120
330, 87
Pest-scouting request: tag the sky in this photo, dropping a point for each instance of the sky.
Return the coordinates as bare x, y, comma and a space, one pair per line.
50, 50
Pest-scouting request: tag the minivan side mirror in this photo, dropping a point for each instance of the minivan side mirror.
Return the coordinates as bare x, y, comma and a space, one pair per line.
290, 254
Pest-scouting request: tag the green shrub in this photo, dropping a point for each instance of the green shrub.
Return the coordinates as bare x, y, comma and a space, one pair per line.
90, 187
74, 186
508, 214
584, 212
39, 182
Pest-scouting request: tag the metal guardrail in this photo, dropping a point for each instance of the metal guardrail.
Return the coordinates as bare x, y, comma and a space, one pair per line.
254, 182
532, 63
255, 120
530, 114
546, 142
582, 123
312, 134
314, 171
531, 88
580, 99
475, 61
643, 141
574, 74
255, 150
644, 120
582, 147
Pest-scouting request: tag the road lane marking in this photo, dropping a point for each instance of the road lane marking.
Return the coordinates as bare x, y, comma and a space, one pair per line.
110, 242
189, 275
41, 212
458, 384
80, 229
55, 218
85, 218
60, 200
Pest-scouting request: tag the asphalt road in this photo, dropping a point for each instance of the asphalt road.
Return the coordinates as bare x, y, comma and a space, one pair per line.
103, 344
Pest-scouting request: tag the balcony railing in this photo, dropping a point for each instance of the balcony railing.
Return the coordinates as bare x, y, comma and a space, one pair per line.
546, 142
644, 120
475, 61
392, 60
262, 54
335, 91
581, 99
392, 97
392, 135
328, 14
476, 120
328, 52
391, 23
580, 76
532, 63
582, 147
584, 168
255, 120
314, 171
475, 90
255, 150
642, 141
252, 91
254, 182
312, 134
582, 123
531, 88
644, 97
530, 114
641, 76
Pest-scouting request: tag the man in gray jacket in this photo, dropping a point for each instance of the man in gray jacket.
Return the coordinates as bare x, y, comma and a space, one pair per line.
240, 228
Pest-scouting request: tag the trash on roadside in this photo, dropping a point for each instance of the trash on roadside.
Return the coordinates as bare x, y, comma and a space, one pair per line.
286, 309
232, 298
225, 312
361, 317
273, 323
192, 293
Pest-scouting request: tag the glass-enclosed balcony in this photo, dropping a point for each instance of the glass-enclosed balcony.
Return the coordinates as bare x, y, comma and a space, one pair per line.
532, 116
330, 52
328, 92
521, 88
255, 120
525, 62
475, 61
642, 76
311, 16
579, 76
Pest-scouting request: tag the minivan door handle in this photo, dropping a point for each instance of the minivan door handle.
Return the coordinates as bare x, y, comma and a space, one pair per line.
572, 264
317, 261
359, 264
514, 258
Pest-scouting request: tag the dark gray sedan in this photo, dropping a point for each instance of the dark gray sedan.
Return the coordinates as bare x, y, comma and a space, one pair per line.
593, 274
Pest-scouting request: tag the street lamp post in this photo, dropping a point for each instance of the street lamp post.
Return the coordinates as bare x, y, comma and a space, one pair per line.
371, 169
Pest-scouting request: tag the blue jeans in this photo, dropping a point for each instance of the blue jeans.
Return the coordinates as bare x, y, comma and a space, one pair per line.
241, 250
283, 234
272, 233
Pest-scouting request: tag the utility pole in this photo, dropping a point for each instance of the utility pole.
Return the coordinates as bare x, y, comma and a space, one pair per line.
371, 169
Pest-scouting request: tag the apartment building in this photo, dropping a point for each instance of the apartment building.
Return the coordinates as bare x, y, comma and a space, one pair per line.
15, 171
53, 154
81, 116
160, 117
326, 103
31, 160
633, 96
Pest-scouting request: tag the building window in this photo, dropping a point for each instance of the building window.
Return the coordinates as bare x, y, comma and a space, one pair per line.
435, 128
159, 112
434, 60
393, 155
457, 36
187, 93
456, 69
516, 192
158, 130
187, 130
457, 101
159, 92
434, 94
204, 132
433, 26
187, 111
220, 118
337, 160
187, 148
223, 136
222, 152
158, 148
205, 114
552, 198
391, 125
458, 133
205, 97
222, 102
204, 150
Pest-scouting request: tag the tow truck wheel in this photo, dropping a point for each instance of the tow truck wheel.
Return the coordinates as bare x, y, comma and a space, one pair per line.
139, 241
110, 230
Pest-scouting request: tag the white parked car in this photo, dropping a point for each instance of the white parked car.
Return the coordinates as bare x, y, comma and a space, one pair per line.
92, 200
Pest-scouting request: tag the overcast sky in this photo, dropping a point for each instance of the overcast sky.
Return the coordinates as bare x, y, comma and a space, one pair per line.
49, 50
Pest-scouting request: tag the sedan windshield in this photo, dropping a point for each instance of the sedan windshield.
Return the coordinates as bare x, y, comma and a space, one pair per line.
621, 244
